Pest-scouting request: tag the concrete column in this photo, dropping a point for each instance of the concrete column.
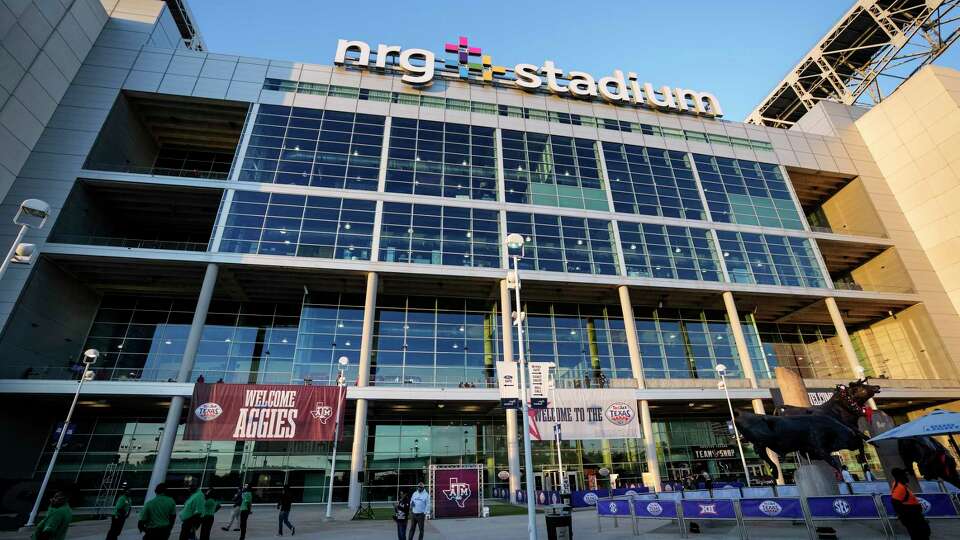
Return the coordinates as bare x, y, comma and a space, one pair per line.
636, 365
170, 426
513, 439
849, 354
359, 452
746, 363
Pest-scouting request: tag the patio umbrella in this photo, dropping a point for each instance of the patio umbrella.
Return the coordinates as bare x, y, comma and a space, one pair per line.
939, 422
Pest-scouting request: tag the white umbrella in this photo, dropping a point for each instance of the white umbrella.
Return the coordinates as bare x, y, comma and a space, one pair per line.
939, 422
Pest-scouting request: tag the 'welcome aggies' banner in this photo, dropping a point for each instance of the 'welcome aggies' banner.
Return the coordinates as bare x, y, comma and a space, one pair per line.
264, 412
588, 414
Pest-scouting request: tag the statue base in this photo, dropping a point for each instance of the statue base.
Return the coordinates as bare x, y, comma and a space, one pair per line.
816, 479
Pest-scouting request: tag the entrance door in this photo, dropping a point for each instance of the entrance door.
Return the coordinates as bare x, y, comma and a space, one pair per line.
573, 481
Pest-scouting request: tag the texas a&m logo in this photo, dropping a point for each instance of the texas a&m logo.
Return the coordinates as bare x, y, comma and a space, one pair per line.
459, 492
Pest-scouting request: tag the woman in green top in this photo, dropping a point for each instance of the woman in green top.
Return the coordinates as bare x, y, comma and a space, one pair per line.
210, 508
120, 512
246, 506
191, 515
158, 515
55, 524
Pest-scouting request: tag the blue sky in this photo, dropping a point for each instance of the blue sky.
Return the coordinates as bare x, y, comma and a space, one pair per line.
737, 49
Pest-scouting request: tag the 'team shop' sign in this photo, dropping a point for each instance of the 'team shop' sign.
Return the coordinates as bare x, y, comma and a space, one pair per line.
419, 67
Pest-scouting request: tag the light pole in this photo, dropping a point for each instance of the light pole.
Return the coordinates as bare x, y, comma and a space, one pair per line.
514, 243
89, 358
341, 384
32, 214
722, 371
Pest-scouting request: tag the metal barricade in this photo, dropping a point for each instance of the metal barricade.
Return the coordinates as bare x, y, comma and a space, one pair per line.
936, 506
710, 510
645, 508
616, 508
848, 508
772, 509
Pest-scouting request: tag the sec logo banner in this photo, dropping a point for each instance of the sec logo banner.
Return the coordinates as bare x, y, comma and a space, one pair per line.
208, 411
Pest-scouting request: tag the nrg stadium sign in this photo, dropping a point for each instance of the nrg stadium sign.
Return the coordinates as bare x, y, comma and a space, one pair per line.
419, 68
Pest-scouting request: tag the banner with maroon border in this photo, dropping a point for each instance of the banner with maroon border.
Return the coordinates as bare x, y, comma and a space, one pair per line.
456, 492
264, 412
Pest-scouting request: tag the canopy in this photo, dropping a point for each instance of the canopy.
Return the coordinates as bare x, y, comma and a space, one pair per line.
939, 422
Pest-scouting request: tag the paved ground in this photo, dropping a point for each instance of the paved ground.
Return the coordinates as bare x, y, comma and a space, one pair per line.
310, 526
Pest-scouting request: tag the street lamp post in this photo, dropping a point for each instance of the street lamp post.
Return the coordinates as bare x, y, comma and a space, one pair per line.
32, 214
722, 371
514, 243
89, 358
341, 385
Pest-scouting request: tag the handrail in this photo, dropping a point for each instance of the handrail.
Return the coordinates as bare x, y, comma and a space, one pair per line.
157, 171
93, 240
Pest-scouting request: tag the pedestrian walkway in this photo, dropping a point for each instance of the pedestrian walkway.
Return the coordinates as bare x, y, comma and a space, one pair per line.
311, 526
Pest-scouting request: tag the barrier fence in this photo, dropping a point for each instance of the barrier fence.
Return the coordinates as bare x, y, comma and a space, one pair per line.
875, 508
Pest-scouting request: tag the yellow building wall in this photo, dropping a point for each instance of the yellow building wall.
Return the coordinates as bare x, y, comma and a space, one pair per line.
849, 212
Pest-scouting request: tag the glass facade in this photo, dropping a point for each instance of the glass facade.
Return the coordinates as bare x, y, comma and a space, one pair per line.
652, 181
670, 252
685, 344
312, 147
565, 243
747, 192
552, 170
767, 259
442, 160
299, 225
449, 235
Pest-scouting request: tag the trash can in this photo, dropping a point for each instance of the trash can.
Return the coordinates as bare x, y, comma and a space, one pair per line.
559, 522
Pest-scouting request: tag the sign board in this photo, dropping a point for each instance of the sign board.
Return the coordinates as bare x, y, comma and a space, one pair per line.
714, 452
588, 414
456, 492
771, 508
539, 384
614, 508
509, 385
659, 509
264, 412
933, 505
849, 507
71, 427
709, 509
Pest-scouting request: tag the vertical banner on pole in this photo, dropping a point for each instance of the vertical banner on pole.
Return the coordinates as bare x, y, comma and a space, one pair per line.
508, 383
539, 384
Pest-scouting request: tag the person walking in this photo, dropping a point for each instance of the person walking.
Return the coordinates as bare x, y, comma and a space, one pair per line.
235, 513
908, 508
120, 512
868, 474
846, 475
246, 506
401, 514
210, 507
158, 515
419, 504
192, 514
284, 505
56, 522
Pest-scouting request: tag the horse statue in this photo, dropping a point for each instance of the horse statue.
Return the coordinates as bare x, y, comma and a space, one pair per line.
847, 404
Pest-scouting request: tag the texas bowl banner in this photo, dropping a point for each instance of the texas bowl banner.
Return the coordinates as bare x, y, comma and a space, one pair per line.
456, 493
588, 414
264, 412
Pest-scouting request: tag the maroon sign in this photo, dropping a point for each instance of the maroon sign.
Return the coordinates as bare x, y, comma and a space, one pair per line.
456, 493
264, 412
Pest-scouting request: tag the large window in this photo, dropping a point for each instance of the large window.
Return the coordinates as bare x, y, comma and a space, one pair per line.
565, 243
312, 147
768, 259
437, 341
427, 234
552, 170
671, 252
298, 225
652, 181
685, 344
442, 160
747, 192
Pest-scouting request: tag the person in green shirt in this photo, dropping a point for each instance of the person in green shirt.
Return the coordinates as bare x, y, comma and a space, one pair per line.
120, 512
210, 508
246, 506
158, 515
191, 514
56, 522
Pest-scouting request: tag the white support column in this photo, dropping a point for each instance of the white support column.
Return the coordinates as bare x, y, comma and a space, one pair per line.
746, 363
513, 441
172, 423
636, 365
359, 452
849, 354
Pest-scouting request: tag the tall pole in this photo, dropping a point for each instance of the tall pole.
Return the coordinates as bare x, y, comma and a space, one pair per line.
13, 250
56, 451
336, 438
733, 420
527, 451
563, 478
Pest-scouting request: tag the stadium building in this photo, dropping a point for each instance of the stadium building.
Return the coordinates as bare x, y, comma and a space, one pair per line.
253, 220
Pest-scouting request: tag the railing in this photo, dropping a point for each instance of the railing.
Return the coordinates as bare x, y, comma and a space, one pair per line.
845, 285
157, 171
847, 231
93, 240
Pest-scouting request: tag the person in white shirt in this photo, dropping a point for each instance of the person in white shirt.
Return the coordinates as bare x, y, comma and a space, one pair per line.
419, 505
868, 474
845, 474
